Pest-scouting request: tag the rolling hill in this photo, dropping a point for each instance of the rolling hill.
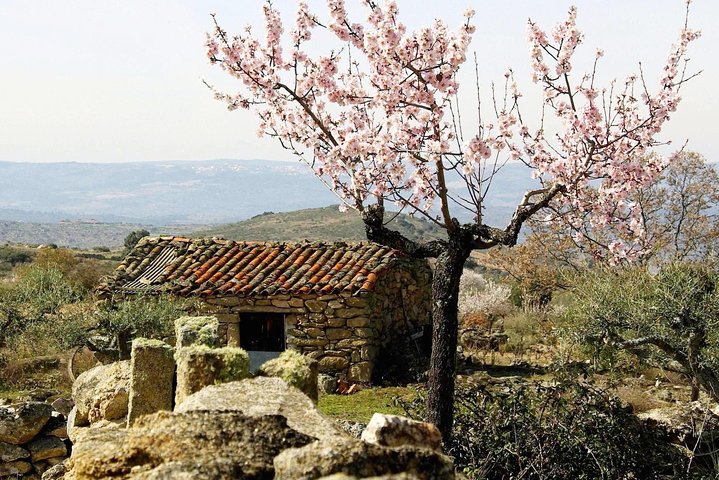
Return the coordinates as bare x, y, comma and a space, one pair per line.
316, 224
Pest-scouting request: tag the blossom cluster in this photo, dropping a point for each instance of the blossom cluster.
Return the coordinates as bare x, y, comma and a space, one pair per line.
374, 117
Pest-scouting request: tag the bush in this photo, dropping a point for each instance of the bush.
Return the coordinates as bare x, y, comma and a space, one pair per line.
566, 430
667, 318
148, 317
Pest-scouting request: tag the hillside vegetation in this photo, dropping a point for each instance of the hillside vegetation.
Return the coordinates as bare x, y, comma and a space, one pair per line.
316, 224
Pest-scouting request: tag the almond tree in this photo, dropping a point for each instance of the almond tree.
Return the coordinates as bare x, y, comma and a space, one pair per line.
377, 119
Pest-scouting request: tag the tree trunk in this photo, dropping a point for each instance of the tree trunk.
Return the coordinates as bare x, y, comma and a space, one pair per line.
445, 296
123, 345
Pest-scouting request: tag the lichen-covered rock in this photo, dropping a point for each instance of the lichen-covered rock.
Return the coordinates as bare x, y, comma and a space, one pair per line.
152, 378
56, 472
199, 330
102, 393
294, 368
188, 445
10, 453
394, 431
326, 383
15, 469
264, 396
20, 424
200, 366
392, 476
63, 405
46, 447
320, 459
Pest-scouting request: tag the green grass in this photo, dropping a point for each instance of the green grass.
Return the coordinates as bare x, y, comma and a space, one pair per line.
360, 406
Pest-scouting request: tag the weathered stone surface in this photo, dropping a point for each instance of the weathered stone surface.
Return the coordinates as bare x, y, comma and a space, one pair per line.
63, 405
14, 469
336, 322
102, 393
55, 427
10, 452
294, 368
152, 378
197, 331
200, 366
296, 302
315, 306
338, 333
46, 447
197, 444
362, 460
326, 383
351, 312
358, 322
360, 372
264, 396
55, 473
395, 431
21, 424
333, 364
72, 423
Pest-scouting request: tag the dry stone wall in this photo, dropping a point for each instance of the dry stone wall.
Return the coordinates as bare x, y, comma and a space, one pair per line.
343, 332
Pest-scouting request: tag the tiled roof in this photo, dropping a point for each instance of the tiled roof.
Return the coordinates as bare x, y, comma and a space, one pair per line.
212, 267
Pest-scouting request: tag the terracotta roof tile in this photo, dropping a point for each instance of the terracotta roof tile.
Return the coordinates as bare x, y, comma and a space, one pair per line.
206, 267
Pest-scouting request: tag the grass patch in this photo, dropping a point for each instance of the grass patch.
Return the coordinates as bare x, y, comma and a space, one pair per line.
360, 406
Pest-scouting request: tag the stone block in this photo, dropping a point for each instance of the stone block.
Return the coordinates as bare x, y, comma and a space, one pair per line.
46, 447
15, 469
356, 302
296, 302
197, 331
152, 378
326, 384
199, 366
351, 312
396, 431
233, 334
281, 303
360, 372
336, 322
336, 304
365, 332
338, 333
358, 322
315, 306
333, 364
20, 425
307, 342
10, 453
315, 332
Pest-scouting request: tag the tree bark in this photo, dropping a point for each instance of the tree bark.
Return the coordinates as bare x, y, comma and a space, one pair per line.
445, 296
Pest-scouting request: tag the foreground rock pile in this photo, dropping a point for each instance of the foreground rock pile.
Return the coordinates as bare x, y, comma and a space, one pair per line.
33, 438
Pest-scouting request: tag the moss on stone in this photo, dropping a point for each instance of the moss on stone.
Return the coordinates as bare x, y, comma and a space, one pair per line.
295, 369
149, 343
235, 364
203, 330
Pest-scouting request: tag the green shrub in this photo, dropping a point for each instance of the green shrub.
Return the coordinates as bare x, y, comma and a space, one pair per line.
566, 431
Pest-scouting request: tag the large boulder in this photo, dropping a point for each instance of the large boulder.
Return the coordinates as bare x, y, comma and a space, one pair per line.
198, 444
296, 369
102, 393
21, 423
321, 459
395, 431
264, 396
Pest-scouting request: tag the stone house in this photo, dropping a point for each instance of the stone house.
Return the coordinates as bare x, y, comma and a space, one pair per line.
342, 304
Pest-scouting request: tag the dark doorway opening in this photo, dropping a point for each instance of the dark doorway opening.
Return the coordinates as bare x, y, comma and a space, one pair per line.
262, 332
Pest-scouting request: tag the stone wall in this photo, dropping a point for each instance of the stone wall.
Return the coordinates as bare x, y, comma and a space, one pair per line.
343, 332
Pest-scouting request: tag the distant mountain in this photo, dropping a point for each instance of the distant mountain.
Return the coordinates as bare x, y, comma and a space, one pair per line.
82, 235
189, 192
326, 224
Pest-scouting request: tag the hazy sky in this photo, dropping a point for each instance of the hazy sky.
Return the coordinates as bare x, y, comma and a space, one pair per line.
120, 80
